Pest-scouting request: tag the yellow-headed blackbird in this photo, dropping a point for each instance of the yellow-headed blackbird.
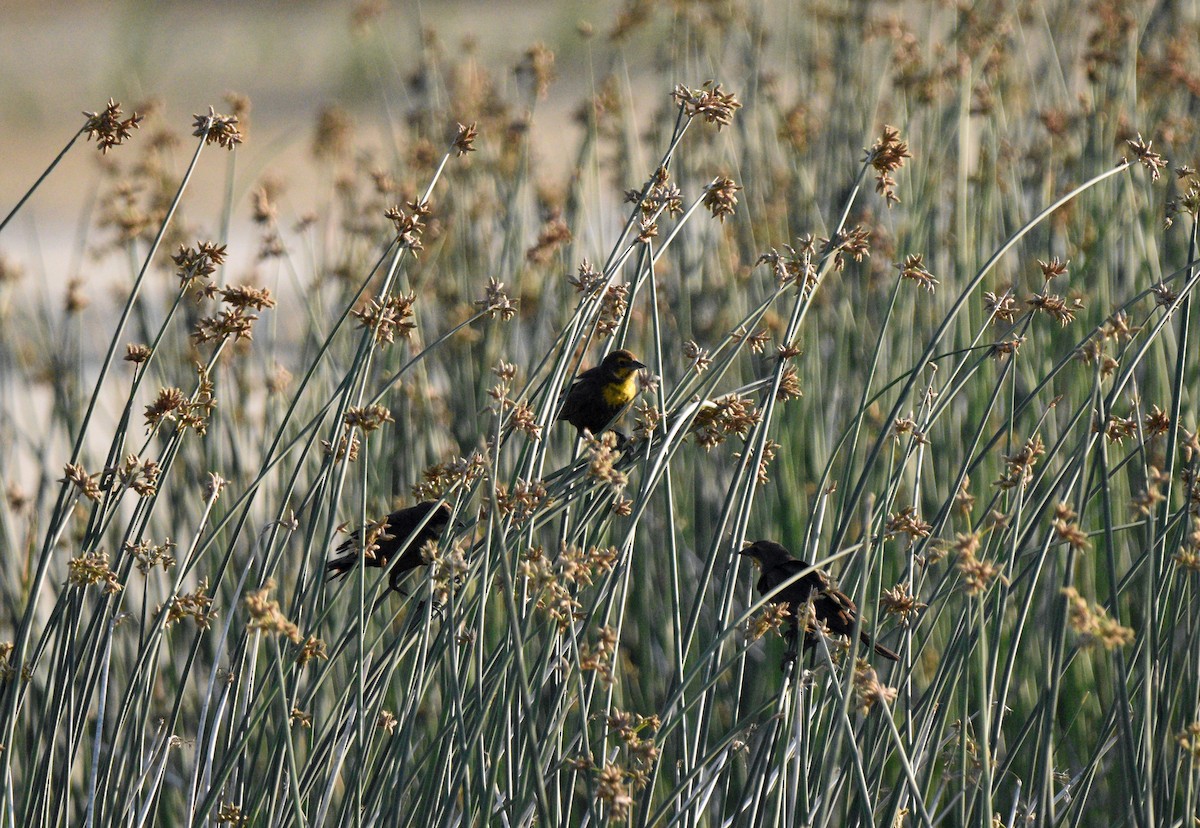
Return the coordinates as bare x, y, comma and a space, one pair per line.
401, 524
600, 394
832, 607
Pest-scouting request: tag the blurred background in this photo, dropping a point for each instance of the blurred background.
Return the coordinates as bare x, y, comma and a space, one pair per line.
291, 60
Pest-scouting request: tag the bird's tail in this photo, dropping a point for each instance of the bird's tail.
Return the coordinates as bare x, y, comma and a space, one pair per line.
340, 566
890, 655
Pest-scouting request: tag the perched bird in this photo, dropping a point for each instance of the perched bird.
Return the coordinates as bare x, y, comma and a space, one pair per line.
600, 394
831, 606
395, 541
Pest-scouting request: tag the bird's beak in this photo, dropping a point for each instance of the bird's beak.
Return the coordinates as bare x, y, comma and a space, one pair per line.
635, 364
745, 550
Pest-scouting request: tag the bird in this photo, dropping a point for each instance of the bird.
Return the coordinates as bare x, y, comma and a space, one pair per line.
831, 606
394, 541
600, 394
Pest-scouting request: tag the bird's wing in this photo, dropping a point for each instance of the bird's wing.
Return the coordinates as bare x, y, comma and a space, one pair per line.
572, 399
595, 372
797, 591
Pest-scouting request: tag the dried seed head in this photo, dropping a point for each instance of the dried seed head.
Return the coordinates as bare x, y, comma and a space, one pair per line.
312, 647
913, 268
389, 319
93, 569
720, 197
1149, 159
1093, 624
367, 418
221, 130
709, 102
886, 156
899, 601
108, 128
137, 354
266, 616
868, 690
538, 68
333, 134
496, 301
1054, 268
196, 605
464, 139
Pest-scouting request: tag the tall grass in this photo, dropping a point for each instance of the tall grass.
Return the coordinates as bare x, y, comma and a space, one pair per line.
994, 450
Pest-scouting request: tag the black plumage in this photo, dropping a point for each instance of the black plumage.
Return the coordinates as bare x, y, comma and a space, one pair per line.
601, 393
395, 541
831, 606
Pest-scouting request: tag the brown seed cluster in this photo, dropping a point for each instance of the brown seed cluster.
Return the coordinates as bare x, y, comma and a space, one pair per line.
1002, 308
91, 569
388, 319
221, 130
448, 569
795, 265
1189, 740
1093, 624
410, 225
196, 264
852, 243
139, 475
172, 405
196, 605
772, 618
1061, 310
697, 356
367, 418
1019, 465
442, 478
1068, 530
554, 585
709, 102
526, 498
496, 301
598, 657
899, 601
587, 280
725, 416
464, 139
906, 522
977, 574
886, 156
1148, 158
266, 616
913, 269
1188, 202
616, 782
720, 197
136, 353
662, 197
149, 554
868, 689
602, 457
86, 483
108, 127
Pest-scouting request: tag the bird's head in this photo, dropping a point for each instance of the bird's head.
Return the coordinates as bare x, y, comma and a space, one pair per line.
621, 364
766, 553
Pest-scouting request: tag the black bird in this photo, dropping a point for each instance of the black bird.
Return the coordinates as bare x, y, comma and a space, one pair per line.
394, 541
831, 606
601, 393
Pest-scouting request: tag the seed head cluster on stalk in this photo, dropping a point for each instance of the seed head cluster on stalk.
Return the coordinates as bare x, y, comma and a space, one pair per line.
964, 394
